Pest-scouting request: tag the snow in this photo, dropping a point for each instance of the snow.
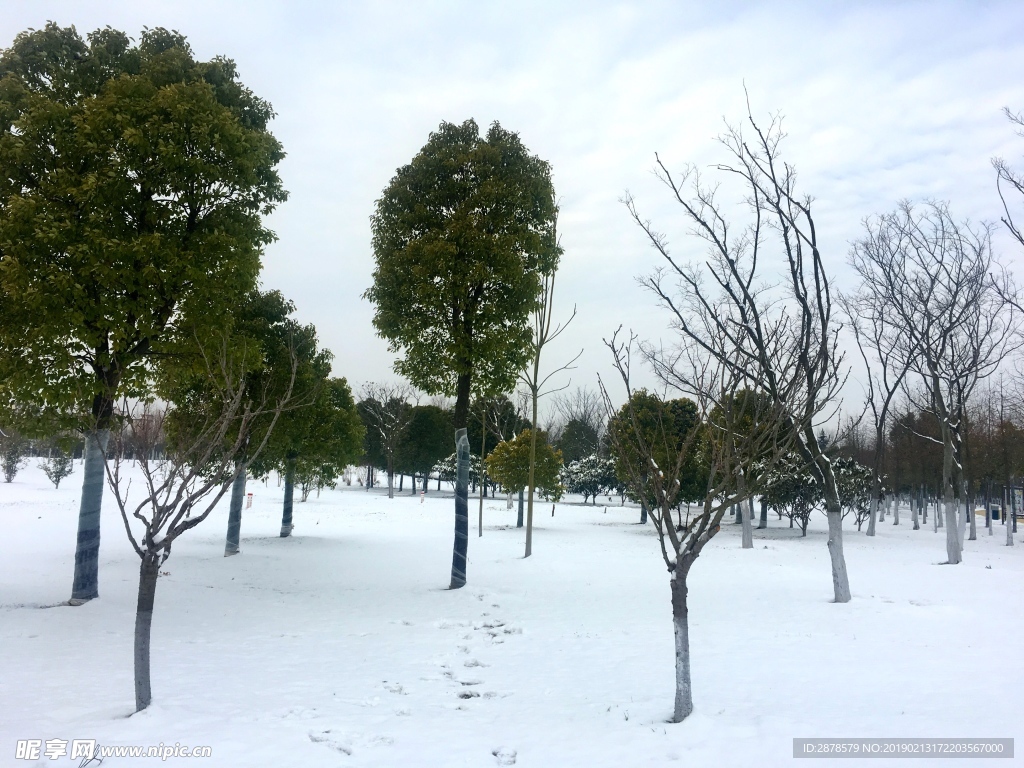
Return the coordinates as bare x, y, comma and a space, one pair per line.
341, 646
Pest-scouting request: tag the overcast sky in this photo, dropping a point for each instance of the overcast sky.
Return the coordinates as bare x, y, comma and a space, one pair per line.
882, 101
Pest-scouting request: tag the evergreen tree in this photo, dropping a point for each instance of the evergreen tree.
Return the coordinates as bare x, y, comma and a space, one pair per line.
133, 183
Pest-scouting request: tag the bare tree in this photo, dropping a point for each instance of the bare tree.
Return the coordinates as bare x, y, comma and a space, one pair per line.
183, 483
938, 281
779, 340
732, 452
879, 339
390, 414
544, 332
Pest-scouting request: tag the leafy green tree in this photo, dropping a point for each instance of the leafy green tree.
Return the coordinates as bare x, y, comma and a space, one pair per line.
334, 440
12, 454
509, 464
297, 426
589, 477
578, 441
427, 441
133, 183
372, 456
665, 427
461, 237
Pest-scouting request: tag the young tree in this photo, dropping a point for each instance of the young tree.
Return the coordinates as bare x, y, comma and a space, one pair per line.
509, 464
12, 454
205, 438
782, 341
461, 237
655, 458
58, 465
133, 183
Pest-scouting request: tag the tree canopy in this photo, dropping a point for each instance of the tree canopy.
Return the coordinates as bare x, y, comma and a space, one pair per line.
461, 236
133, 182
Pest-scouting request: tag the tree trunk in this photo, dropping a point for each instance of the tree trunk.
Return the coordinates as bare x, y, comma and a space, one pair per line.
763, 522
412, 481
148, 572
289, 490
461, 510
874, 511
87, 550
1010, 508
915, 510
748, 525
643, 513
680, 622
530, 474
483, 472
895, 510
840, 579
235, 510
401, 481
519, 519
973, 536
391, 481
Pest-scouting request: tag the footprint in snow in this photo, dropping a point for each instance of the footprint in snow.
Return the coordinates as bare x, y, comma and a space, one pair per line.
504, 756
327, 741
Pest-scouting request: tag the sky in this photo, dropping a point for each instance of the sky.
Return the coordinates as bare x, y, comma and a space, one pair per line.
882, 101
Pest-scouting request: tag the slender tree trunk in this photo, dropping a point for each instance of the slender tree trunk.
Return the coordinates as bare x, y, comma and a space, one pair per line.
519, 519
235, 510
533, 462
973, 536
643, 513
1012, 509
391, 480
874, 510
988, 507
763, 522
87, 550
895, 510
289, 491
680, 623
915, 508
460, 547
483, 471
148, 572
401, 481
747, 535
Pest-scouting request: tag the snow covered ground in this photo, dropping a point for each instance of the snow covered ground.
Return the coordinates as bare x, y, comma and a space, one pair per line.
341, 646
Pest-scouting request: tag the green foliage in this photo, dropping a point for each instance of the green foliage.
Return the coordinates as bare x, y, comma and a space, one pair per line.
578, 441
589, 477
461, 236
133, 182
664, 428
792, 488
12, 452
509, 465
58, 465
278, 359
428, 440
333, 439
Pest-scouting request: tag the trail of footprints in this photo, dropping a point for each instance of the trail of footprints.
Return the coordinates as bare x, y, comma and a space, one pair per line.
467, 677
464, 673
